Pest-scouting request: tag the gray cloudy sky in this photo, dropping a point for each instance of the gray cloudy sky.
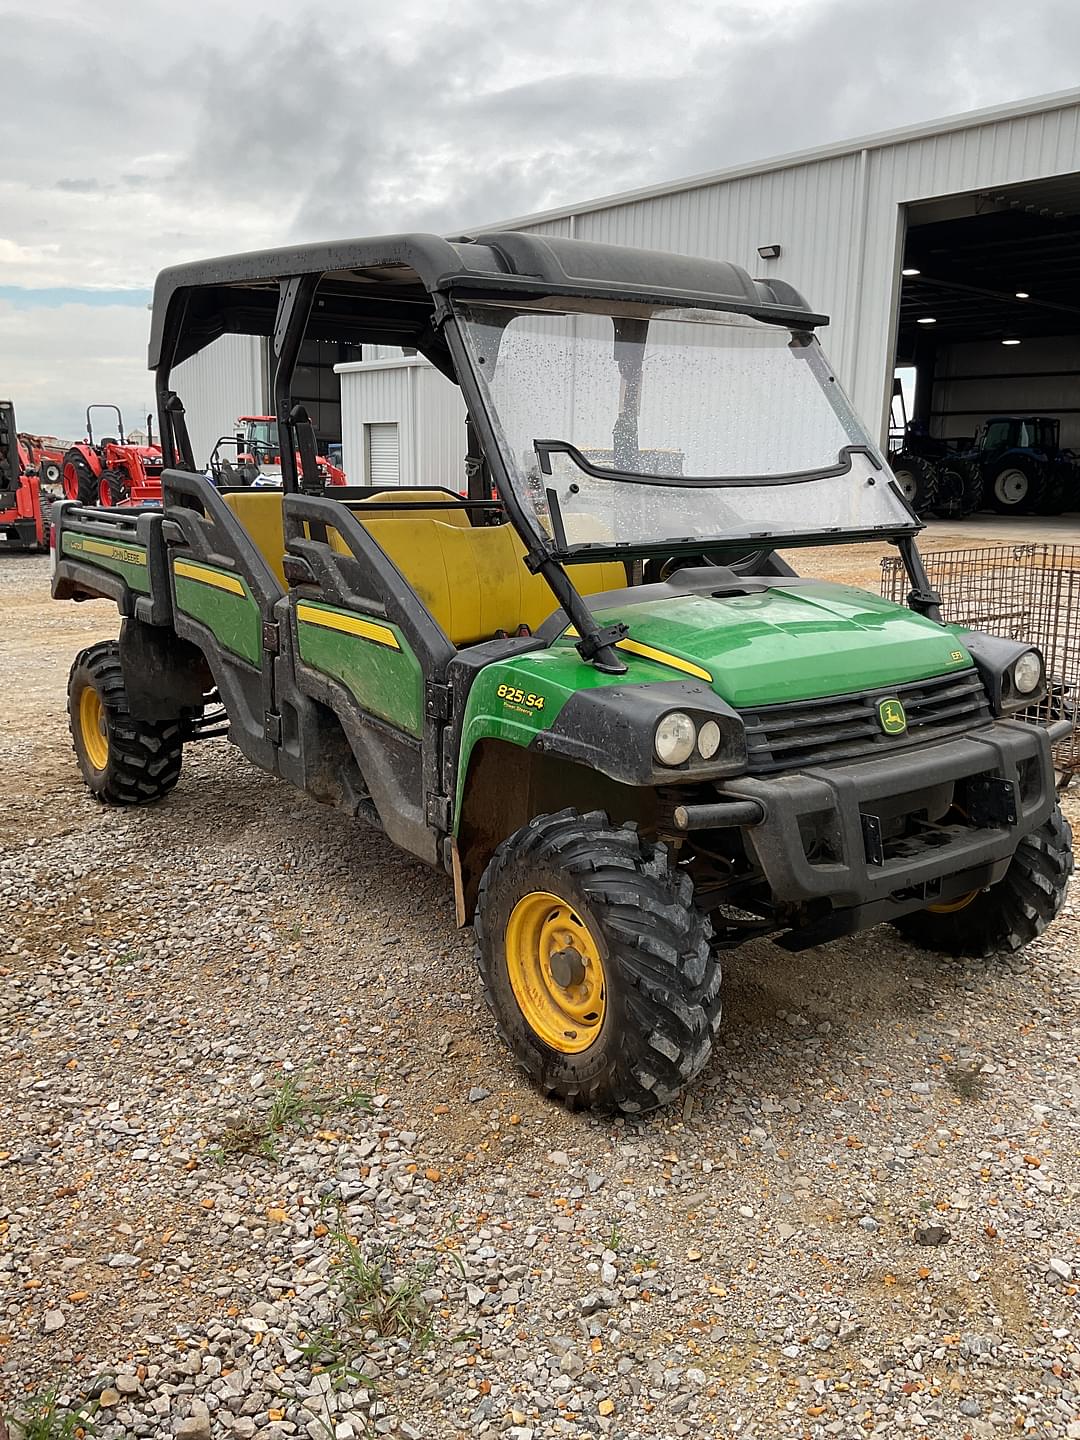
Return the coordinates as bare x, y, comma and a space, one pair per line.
139, 133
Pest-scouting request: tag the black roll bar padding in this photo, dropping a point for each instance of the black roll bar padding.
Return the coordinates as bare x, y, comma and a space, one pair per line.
477, 477
174, 425
295, 299
311, 481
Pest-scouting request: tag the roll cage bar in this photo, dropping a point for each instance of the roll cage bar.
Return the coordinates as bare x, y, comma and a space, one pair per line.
395, 290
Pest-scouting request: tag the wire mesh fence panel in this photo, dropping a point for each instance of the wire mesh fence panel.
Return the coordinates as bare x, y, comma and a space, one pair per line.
1022, 592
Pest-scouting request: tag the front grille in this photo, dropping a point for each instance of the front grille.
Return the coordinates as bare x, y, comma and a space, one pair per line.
845, 727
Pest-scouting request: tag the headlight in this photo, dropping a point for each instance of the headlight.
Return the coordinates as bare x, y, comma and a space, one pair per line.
708, 740
1027, 673
675, 738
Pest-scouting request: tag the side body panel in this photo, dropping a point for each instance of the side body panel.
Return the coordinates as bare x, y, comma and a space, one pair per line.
371, 659
125, 557
370, 651
222, 600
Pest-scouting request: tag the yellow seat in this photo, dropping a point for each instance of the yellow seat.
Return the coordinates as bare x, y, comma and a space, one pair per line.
473, 580
259, 512
415, 497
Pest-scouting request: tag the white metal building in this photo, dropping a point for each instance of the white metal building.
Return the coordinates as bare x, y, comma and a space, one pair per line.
987, 203
981, 211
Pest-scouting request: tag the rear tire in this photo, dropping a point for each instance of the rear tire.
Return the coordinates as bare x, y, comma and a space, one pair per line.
1009, 914
1060, 484
1016, 485
917, 480
80, 482
611, 904
124, 760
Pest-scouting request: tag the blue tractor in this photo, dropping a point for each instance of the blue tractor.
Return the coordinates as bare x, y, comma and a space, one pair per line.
1023, 466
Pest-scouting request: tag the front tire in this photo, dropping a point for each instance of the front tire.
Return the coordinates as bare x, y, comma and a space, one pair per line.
124, 760
1009, 914
959, 490
79, 481
597, 964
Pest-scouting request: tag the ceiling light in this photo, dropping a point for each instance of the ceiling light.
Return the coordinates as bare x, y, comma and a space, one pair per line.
910, 270
1010, 342
926, 320
1022, 295
769, 252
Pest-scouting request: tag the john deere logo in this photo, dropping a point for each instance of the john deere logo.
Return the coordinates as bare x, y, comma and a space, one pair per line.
892, 717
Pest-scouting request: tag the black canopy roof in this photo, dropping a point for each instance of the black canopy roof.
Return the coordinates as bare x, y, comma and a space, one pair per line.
379, 290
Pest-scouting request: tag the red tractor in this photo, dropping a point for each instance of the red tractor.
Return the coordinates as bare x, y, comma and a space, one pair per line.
111, 471
260, 447
24, 498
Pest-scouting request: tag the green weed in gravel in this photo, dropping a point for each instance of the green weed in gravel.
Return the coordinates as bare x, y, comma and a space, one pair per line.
292, 1107
44, 1417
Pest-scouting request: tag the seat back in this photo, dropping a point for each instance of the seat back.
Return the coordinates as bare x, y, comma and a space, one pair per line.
259, 512
416, 497
473, 580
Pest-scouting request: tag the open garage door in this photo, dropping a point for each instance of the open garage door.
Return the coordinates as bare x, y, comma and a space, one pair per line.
989, 321
318, 387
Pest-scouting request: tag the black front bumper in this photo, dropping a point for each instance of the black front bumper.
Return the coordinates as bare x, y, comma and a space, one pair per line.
899, 832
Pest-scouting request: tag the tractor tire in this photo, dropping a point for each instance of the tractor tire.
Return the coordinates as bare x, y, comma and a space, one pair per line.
959, 489
1016, 485
112, 489
596, 963
1009, 914
124, 761
1060, 487
917, 479
49, 472
79, 481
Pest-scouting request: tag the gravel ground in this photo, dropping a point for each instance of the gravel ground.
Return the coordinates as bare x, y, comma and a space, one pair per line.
265, 1170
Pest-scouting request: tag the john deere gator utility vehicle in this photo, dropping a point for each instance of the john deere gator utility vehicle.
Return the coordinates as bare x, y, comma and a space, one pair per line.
622, 778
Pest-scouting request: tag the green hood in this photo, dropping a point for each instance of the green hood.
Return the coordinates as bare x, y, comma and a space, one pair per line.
800, 643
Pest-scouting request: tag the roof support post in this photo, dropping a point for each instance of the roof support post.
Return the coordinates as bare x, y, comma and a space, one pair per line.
294, 309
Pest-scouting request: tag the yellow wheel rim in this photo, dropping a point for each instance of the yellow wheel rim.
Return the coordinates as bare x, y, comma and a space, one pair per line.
556, 972
950, 907
92, 728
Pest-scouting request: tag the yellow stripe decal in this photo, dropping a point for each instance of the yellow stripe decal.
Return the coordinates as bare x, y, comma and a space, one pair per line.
202, 573
130, 554
647, 652
349, 625
662, 657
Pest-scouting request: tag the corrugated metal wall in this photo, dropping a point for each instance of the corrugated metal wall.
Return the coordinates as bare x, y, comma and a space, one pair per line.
222, 382
840, 221
1040, 377
838, 215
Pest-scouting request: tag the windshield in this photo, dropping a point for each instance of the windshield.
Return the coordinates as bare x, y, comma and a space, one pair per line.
262, 433
674, 425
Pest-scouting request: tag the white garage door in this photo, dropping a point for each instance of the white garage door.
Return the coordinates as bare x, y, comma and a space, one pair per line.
383, 461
